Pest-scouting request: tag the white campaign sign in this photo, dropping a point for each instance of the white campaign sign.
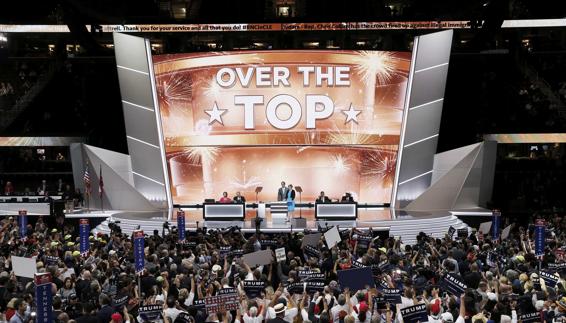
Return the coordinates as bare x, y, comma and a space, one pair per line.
485, 227
280, 254
24, 267
505, 232
332, 237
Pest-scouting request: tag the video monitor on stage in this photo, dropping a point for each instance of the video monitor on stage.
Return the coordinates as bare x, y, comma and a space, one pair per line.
324, 120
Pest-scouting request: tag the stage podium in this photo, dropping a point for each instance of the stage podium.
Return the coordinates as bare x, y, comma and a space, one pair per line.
261, 210
279, 211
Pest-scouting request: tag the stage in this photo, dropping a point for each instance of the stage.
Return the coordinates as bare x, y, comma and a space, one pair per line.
402, 224
351, 136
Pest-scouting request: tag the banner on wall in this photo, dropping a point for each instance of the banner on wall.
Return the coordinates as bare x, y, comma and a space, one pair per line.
234, 121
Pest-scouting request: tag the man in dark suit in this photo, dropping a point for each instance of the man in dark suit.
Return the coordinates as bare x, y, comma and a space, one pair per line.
348, 197
282, 192
106, 310
322, 198
239, 198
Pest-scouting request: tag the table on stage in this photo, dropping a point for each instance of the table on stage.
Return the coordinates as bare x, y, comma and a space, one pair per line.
336, 211
33, 208
35, 205
224, 211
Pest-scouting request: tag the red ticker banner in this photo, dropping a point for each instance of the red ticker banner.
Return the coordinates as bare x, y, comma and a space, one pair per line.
300, 26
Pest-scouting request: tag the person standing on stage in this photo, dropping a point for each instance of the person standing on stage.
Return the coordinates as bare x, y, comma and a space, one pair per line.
282, 192
290, 198
68, 198
239, 198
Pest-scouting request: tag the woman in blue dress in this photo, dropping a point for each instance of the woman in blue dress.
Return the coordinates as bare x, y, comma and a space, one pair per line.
290, 198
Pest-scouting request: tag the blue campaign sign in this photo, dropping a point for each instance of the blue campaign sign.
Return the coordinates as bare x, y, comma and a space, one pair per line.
84, 230
150, 312
356, 279
139, 257
539, 237
23, 222
43, 298
392, 295
414, 314
453, 285
181, 225
495, 224
550, 279
530, 317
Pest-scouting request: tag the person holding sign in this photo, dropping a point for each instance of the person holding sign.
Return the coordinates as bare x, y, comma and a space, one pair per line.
363, 313
253, 315
277, 311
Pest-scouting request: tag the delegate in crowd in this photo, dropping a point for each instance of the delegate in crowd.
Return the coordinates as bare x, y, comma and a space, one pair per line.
503, 279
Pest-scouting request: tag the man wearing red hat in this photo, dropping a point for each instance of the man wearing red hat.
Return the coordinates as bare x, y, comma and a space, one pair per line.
117, 318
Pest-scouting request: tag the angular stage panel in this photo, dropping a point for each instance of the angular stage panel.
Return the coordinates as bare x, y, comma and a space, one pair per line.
421, 120
462, 179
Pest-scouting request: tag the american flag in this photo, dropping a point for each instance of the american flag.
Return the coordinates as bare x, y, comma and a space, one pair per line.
100, 183
86, 179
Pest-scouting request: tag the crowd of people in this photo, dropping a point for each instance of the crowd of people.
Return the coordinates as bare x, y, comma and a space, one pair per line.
181, 278
18, 79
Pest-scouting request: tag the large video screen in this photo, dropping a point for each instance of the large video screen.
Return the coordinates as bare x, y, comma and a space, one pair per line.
324, 120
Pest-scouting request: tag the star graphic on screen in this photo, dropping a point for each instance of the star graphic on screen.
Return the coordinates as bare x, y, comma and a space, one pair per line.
215, 114
351, 114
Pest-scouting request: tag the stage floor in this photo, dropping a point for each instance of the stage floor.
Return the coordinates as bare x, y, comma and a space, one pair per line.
367, 217
398, 223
